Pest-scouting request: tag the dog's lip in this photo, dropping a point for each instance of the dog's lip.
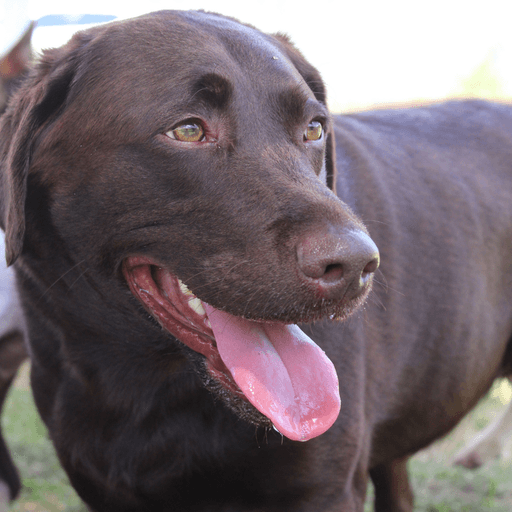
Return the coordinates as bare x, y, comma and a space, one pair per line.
181, 320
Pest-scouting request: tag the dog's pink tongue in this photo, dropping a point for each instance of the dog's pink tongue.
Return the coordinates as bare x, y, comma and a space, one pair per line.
281, 371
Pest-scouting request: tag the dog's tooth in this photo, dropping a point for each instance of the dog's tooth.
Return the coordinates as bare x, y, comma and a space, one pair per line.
196, 305
193, 302
184, 289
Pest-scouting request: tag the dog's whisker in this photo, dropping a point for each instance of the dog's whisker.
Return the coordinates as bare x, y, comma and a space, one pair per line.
78, 278
62, 276
374, 221
375, 299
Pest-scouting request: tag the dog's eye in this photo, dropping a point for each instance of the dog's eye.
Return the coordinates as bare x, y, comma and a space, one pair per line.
189, 131
314, 131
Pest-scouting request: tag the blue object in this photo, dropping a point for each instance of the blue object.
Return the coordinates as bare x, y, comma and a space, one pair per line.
73, 19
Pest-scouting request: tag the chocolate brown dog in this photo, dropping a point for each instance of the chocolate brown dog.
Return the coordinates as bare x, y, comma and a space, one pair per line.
167, 193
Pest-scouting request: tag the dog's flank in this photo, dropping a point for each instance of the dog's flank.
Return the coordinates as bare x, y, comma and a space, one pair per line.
171, 206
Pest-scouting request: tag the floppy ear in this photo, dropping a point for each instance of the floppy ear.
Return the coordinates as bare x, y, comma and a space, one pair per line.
37, 102
315, 83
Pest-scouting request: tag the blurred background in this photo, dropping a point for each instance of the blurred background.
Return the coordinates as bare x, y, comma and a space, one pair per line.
369, 53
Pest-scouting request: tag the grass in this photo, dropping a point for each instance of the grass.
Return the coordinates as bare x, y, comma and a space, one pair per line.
441, 487
438, 486
45, 485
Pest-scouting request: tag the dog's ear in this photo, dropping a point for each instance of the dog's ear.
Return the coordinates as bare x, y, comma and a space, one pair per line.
36, 103
315, 83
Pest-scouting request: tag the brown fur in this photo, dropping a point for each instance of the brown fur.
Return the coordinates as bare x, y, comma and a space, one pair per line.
88, 178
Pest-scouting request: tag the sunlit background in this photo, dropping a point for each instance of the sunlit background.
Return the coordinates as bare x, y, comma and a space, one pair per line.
369, 53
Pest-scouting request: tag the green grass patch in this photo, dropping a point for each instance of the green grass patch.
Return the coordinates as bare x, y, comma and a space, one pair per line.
45, 485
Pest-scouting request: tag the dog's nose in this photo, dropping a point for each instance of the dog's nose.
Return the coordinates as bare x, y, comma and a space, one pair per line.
339, 264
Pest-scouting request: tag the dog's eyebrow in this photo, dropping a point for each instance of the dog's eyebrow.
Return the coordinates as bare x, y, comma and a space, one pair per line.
296, 106
213, 89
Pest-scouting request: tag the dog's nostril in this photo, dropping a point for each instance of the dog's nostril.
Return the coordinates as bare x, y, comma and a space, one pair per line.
332, 273
371, 267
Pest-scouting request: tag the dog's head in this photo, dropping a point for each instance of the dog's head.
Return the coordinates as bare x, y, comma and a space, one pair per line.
190, 158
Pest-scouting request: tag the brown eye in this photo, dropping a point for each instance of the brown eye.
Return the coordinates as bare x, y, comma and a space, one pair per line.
314, 131
187, 132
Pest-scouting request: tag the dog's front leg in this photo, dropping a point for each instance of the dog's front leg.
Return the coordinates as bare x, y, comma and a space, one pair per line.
392, 489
